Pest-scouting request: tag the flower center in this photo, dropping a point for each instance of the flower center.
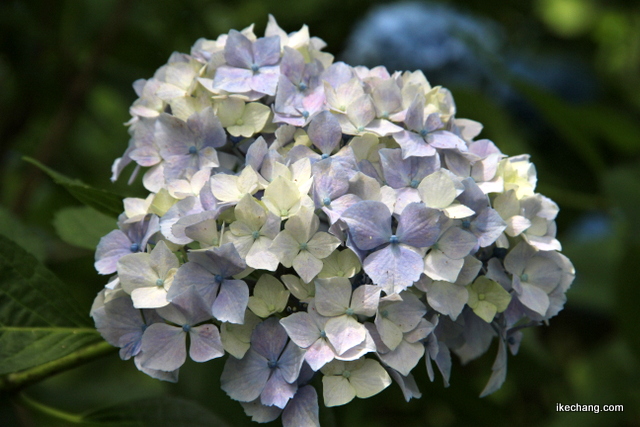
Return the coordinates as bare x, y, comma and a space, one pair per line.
272, 364
349, 311
346, 374
303, 246
481, 297
255, 235
159, 282
302, 86
193, 150
414, 183
326, 201
524, 277
134, 247
466, 224
255, 68
393, 239
186, 327
219, 278
423, 133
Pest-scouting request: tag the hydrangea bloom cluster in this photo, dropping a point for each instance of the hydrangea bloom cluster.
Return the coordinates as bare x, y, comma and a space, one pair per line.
326, 225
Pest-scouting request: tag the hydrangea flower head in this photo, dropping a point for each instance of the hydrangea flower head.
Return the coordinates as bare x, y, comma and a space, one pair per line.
327, 226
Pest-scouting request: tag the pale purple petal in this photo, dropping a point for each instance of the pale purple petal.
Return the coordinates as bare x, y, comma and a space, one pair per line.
419, 226
205, 343
163, 347
269, 338
277, 391
302, 410
369, 223
394, 268
405, 357
290, 362
325, 132
231, 302
266, 51
244, 379
238, 50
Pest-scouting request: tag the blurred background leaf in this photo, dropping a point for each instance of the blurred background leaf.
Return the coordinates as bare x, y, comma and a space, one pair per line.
67, 73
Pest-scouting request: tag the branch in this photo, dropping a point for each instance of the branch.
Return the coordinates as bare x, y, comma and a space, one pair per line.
30, 376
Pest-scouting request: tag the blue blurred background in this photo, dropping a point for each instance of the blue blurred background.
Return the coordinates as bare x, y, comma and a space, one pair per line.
558, 79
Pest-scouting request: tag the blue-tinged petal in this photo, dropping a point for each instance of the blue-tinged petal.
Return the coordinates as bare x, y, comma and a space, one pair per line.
499, 371
456, 243
238, 50
413, 144
407, 313
110, 249
446, 140
488, 226
171, 377
415, 114
325, 132
244, 379
407, 385
163, 347
260, 413
205, 343
277, 391
290, 362
233, 79
302, 410
207, 130
369, 223
266, 51
419, 226
194, 274
292, 64
405, 357
269, 339
265, 82
396, 171
231, 302
394, 268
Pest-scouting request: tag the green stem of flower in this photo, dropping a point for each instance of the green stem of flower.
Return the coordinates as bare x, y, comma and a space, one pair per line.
17, 380
48, 410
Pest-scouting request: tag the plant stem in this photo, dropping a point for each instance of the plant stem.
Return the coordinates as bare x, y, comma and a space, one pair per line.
48, 410
30, 376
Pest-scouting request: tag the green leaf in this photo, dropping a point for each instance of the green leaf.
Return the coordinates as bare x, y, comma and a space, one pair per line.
155, 412
39, 319
104, 201
82, 226
15, 229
